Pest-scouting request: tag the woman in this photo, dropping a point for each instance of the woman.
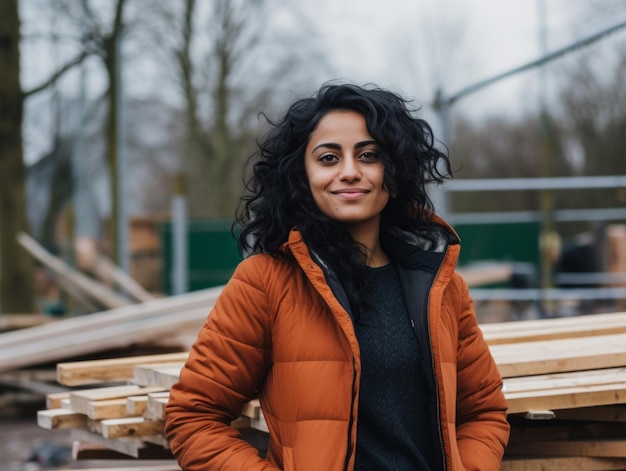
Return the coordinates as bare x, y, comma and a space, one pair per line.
348, 320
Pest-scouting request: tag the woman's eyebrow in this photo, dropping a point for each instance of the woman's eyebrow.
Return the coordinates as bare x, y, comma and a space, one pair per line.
329, 145
332, 145
358, 145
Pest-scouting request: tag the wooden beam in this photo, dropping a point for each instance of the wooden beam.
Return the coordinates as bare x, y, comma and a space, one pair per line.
131, 427
134, 447
107, 409
136, 405
571, 379
109, 370
486, 273
52, 419
497, 333
90, 259
156, 405
560, 355
53, 400
98, 291
567, 398
105, 330
158, 374
23, 321
81, 400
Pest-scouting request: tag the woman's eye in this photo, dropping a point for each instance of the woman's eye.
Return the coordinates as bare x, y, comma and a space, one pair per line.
369, 155
327, 158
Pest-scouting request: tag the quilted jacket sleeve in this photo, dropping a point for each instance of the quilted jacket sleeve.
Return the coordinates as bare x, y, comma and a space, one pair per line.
225, 368
482, 427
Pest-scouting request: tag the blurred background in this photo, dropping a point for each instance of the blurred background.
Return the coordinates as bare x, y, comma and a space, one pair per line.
124, 126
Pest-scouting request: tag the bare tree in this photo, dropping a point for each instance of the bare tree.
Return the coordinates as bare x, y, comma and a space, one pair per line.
16, 277
226, 79
593, 102
501, 147
16, 280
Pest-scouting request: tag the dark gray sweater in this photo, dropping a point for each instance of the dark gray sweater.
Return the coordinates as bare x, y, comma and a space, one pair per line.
395, 423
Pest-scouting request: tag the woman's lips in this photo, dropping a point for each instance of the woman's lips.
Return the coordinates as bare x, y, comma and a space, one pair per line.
350, 193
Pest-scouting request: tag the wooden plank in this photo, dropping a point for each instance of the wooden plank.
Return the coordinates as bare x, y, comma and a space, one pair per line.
555, 328
108, 370
136, 405
134, 447
131, 427
486, 273
90, 259
562, 464
252, 409
156, 405
107, 409
554, 356
599, 448
571, 379
98, 291
153, 374
567, 398
166, 377
156, 439
81, 400
52, 419
22, 321
120, 327
53, 400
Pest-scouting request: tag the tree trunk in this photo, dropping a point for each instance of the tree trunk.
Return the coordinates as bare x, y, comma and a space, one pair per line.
16, 267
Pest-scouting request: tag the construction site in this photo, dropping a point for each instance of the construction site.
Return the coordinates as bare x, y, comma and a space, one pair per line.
125, 130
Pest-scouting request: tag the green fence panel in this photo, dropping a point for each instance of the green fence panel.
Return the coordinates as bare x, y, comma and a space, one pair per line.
212, 254
511, 242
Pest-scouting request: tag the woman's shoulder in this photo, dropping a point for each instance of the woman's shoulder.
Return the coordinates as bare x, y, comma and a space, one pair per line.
264, 265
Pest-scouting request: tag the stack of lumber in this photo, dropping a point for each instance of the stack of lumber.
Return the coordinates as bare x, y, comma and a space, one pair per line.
127, 417
564, 379
159, 319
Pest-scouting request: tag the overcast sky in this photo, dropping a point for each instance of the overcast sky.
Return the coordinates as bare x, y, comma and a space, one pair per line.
412, 46
417, 46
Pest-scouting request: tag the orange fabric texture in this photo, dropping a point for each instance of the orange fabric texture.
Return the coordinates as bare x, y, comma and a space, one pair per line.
278, 332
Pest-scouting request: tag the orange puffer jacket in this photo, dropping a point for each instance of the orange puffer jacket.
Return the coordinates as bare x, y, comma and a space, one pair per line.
278, 331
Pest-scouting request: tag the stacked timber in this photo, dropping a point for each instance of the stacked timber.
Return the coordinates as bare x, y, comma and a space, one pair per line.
564, 379
565, 382
122, 411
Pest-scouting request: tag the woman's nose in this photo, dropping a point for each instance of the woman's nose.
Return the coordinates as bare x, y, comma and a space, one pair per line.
350, 170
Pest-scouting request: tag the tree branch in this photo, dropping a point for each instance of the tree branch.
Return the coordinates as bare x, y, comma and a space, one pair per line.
54, 77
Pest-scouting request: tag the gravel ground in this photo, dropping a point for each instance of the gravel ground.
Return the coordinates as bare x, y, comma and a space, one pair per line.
22, 438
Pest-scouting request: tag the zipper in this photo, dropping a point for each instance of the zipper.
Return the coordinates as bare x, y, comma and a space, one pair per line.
351, 420
432, 361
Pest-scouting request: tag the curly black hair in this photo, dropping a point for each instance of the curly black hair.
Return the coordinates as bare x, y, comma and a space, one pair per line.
277, 196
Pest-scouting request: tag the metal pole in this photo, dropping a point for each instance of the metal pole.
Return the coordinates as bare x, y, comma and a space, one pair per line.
548, 236
122, 217
179, 238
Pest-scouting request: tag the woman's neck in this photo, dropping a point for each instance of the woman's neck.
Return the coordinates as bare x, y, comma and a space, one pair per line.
375, 259
369, 240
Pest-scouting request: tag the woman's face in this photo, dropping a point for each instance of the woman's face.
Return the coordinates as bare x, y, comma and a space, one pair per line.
345, 173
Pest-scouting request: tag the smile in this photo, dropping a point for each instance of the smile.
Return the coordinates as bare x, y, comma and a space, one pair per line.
350, 193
